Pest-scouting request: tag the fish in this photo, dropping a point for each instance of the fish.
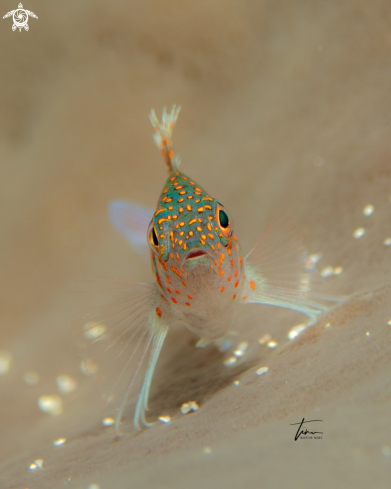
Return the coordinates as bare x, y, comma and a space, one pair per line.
200, 274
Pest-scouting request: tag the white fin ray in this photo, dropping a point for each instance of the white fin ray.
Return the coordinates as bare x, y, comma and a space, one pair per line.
116, 341
279, 273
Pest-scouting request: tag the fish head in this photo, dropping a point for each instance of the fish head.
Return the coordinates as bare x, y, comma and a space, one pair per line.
188, 227
195, 253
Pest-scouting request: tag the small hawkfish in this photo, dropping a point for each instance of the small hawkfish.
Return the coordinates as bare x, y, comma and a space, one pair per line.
200, 274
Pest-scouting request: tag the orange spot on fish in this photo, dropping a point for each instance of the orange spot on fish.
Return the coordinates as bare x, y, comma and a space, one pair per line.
177, 291
232, 262
188, 207
172, 254
252, 284
236, 273
197, 200
190, 297
182, 192
211, 236
161, 220
199, 228
178, 187
165, 190
176, 271
229, 251
198, 189
168, 279
235, 238
159, 312
222, 289
172, 179
169, 200
229, 279
203, 236
164, 198
181, 233
218, 246
221, 273
212, 246
181, 223
181, 200
169, 289
236, 283
207, 206
200, 209
189, 197
191, 183
244, 297
170, 208
180, 242
184, 178
188, 304
234, 297
192, 221
241, 261
159, 211
207, 198
158, 280
175, 216
184, 283
185, 246
177, 256
180, 209
174, 300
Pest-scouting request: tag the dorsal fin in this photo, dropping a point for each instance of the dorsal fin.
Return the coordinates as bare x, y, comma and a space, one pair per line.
163, 135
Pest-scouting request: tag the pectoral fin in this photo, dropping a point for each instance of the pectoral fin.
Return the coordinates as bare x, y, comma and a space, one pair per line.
279, 273
118, 338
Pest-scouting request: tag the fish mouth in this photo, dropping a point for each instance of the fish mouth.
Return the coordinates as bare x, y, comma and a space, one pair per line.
195, 253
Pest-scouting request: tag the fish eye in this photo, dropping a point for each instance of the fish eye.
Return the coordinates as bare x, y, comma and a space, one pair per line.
153, 240
224, 220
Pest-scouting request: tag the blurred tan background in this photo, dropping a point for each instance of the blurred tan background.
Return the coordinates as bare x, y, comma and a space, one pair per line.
285, 107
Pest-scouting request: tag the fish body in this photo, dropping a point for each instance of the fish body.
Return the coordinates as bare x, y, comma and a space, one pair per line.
200, 274
197, 261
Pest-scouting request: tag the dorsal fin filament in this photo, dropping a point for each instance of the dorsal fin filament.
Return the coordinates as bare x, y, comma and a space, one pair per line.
163, 135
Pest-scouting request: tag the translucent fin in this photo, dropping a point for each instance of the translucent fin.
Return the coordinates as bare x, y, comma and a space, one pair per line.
279, 273
117, 339
132, 221
163, 135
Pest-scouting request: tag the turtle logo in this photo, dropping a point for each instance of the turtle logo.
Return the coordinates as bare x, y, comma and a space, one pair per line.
20, 17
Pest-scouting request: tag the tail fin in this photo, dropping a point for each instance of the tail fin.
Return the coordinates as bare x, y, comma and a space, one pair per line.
163, 135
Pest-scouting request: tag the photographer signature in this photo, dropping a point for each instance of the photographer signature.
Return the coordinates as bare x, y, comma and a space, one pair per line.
305, 431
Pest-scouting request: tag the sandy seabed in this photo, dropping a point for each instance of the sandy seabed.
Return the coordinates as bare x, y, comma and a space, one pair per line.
285, 108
